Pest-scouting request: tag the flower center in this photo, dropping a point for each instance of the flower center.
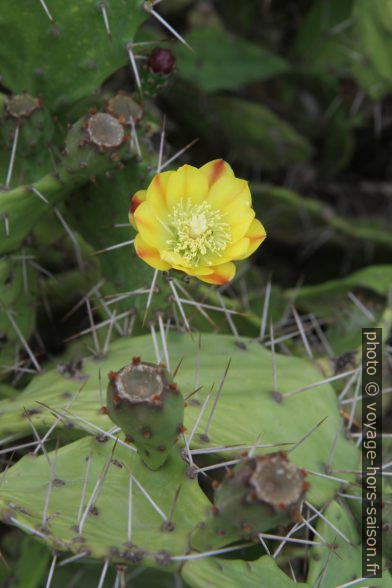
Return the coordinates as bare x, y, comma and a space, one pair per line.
197, 230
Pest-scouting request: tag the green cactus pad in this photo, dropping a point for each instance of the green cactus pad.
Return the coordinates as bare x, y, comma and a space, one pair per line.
144, 401
258, 494
18, 290
215, 573
246, 413
67, 59
104, 532
329, 565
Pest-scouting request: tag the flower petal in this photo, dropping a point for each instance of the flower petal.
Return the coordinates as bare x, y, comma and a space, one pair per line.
157, 191
149, 254
227, 190
136, 199
239, 219
221, 274
256, 235
174, 258
186, 182
237, 250
213, 170
151, 226
195, 271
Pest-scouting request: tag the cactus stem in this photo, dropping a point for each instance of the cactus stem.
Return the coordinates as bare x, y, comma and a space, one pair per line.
47, 12
216, 399
51, 571
12, 157
102, 8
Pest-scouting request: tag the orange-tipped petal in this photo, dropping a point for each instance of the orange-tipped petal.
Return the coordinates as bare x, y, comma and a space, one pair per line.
222, 274
213, 170
156, 191
136, 199
151, 226
256, 235
149, 254
186, 183
228, 190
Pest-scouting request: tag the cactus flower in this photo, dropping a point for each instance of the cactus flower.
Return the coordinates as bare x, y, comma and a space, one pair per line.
197, 221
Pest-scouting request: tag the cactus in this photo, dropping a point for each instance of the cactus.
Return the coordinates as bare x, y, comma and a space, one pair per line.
144, 401
257, 495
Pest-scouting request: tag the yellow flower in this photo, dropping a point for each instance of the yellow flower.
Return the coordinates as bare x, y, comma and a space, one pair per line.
197, 221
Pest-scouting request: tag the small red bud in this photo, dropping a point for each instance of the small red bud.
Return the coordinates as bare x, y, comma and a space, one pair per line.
161, 61
112, 376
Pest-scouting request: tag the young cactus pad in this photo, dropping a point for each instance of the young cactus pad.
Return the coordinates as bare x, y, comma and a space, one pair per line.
258, 494
145, 403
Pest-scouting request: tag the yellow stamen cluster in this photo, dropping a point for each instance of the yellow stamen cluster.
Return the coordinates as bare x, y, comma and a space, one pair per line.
197, 230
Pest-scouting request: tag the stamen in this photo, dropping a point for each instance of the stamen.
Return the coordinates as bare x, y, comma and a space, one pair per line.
198, 230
